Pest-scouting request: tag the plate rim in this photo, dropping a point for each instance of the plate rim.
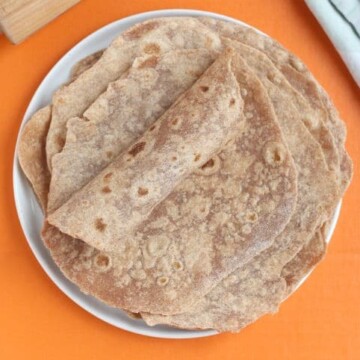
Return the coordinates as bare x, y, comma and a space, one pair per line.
18, 177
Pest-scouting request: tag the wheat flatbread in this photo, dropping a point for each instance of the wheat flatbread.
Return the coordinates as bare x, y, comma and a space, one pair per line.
31, 153
196, 127
324, 122
317, 194
121, 115
184, 248
32, 143
304, 261
212, 253
154, 36
84, 64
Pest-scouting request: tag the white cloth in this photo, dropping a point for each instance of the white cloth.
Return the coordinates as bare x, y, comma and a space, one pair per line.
340, 19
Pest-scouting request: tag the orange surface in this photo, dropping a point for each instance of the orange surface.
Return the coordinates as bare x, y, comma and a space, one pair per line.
321, 321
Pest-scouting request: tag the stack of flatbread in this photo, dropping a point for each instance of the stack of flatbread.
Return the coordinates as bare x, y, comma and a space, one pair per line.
188, 173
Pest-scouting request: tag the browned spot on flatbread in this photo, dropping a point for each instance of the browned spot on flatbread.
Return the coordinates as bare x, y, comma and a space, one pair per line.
251, 217
274, 153
232, 102
100, 225
60, 141
178, 265
109, 154
108, 176
102, 261
208, 164
204, 88
139, 31
152, 49
106, 190
149, 62
143, 191
162, 280
197, 157
137, 148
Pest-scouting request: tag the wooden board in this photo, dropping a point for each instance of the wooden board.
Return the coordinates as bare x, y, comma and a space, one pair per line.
21, 18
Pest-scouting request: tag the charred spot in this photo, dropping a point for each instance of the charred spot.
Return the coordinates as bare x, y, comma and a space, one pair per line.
174, 158
108, 176
134, 315
149, 62
60, 141
102, 261
208, 164
232, 102
251, 217
175, 122
197, 157
277, 157
137, 148
275, 153
142, 191
100, 225
152, 128
106, 190
204, 88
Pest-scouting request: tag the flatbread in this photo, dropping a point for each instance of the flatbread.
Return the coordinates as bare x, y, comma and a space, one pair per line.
84, 64
254, 289
185, 248
196, 127
317, 194
121, 115
325, 118
154, 37
275, 291
304, 262
32, 152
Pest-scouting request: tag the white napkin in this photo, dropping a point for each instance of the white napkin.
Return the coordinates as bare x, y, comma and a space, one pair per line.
340, 19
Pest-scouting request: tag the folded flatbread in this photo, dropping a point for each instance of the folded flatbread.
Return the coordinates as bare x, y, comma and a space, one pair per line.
155, 37
32, 144
211, 223
324, 122
260, 279
121, 115
205, 256
31, 153
196, 127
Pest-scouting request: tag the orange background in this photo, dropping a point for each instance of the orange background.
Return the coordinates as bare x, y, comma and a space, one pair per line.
321, 321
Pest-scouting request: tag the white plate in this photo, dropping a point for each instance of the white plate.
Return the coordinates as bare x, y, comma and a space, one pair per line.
29, 212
